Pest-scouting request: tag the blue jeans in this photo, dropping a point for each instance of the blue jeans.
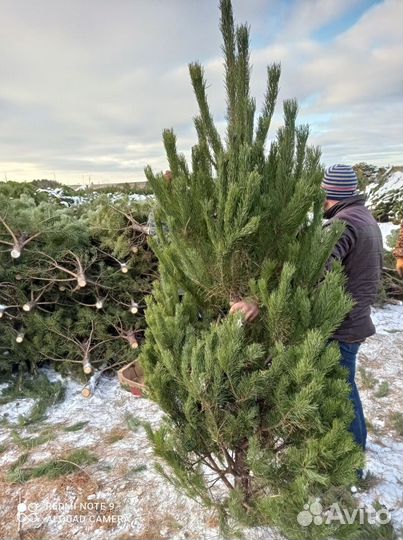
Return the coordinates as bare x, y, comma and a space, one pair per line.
348, 360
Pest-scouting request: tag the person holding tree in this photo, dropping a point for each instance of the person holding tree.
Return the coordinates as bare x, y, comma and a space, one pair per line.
261, 409
360, 251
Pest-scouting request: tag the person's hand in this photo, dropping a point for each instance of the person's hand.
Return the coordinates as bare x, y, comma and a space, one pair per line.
399, 266
168, 177
249, 309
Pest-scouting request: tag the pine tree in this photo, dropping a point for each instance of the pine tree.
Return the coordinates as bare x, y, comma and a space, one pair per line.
260, 409
72, 283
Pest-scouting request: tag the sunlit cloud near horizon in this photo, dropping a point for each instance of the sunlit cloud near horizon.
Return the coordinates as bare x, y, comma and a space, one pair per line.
87, 87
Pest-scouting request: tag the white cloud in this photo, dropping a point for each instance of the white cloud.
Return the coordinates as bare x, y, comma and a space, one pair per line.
87, 87
309, 16
350, 94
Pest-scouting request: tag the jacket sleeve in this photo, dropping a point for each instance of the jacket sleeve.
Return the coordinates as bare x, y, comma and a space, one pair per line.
343, 247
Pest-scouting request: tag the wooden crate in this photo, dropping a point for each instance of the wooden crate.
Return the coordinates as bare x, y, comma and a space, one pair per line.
132, 377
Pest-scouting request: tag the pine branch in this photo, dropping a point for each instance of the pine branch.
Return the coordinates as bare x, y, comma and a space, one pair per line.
263, 125
199, 86
228, 34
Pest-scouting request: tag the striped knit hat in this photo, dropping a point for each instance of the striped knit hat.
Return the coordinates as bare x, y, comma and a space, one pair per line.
340, 182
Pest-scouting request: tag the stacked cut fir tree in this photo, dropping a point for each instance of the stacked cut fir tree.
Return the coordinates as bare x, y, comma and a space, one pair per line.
258, 410
72, 283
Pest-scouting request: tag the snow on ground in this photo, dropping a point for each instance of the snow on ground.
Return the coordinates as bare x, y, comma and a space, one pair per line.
385, 192
381, 361
74, 200
387, 320
386, 229
21, 407
394, 182
122, 497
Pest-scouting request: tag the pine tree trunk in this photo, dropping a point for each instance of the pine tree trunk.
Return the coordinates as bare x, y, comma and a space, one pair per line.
243, 479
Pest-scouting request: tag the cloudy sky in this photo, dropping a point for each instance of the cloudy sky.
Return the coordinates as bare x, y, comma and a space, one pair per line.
87, 86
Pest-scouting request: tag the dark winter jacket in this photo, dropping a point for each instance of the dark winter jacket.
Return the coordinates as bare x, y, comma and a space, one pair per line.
360, 250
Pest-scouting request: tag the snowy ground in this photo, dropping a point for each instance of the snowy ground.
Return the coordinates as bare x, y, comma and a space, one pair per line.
381, 361
393, 183
122, 497
386, 229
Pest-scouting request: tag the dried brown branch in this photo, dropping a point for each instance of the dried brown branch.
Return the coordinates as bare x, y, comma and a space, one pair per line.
78, 275
124, 268
143, 229
19, 241
29, 306
128, 335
